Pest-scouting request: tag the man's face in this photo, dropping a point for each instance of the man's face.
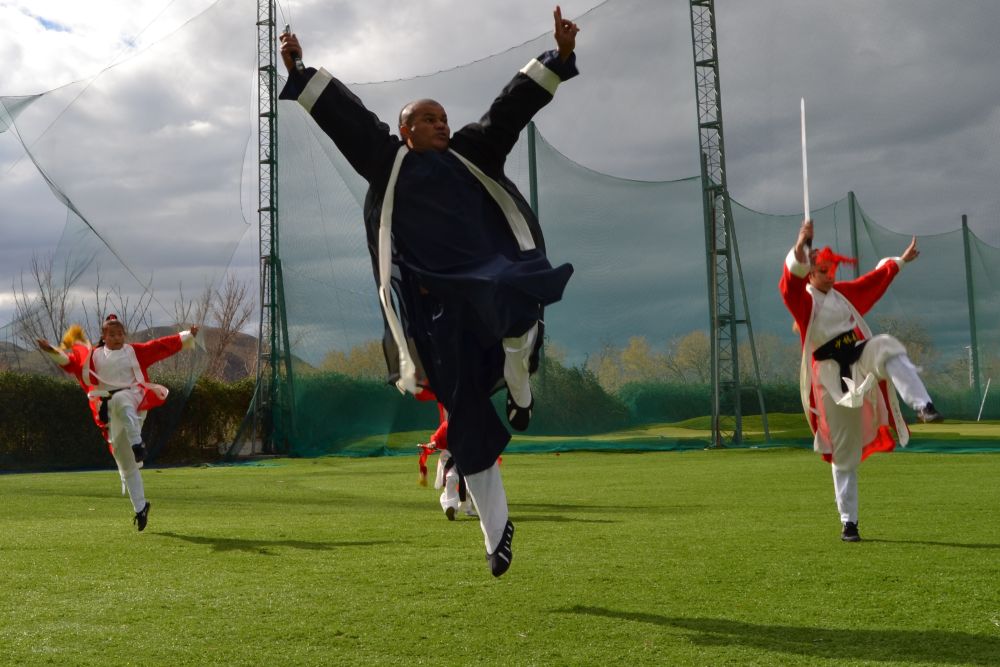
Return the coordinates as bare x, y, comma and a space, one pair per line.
821, 276
114, 336
427, 128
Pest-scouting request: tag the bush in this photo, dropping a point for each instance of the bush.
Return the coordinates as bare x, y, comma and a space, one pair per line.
658, 402
570, 401
47, 423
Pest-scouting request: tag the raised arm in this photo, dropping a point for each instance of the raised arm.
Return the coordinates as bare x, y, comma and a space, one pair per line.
911, 252
802, 243
357, 132
494, 136
565, 34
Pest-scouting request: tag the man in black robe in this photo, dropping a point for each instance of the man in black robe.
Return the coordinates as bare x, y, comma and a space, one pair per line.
450, 235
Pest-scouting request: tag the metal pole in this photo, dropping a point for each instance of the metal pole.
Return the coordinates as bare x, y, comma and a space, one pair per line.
852, 208
970, 293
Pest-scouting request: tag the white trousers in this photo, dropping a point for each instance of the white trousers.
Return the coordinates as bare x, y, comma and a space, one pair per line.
449, 487
845, 423
845, 431
487, 492
515, 366
845, 486
904, 376
124, 430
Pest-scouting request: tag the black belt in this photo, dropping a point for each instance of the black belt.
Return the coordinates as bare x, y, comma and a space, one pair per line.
102, 412
843, 348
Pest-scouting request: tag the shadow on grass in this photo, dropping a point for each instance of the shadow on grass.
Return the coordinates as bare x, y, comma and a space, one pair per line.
579, 507
610, 509
937, 544
553, 518
222, 544
915, 646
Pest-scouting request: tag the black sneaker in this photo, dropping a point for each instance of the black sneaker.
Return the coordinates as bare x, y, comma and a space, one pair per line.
140, 452
928, 415
500, 559
142, 517
519, 417
450, 513
850, 532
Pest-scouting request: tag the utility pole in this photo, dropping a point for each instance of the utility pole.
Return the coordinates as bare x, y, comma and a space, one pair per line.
722, 253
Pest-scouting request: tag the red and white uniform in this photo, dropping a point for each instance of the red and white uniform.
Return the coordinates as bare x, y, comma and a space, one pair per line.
447, 478
848, 425
101, 371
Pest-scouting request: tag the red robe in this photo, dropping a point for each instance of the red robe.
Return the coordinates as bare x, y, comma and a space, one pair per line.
78, 361
862, 294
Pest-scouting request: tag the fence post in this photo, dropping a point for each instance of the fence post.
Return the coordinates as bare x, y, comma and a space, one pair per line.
853, 215
970, 293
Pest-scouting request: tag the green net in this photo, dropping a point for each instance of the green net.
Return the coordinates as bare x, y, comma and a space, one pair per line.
627, 358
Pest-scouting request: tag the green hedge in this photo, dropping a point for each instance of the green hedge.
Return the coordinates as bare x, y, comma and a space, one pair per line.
47, 423
570, 401
334, 411
655, 402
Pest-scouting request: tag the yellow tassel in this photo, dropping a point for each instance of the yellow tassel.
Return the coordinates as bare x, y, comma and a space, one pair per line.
73, 334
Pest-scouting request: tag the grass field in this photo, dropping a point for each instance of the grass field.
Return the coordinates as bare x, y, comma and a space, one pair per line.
671, 558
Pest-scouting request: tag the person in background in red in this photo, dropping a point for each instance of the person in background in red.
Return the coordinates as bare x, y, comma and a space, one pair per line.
454, 496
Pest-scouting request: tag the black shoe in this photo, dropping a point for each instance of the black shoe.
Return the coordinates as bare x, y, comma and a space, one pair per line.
500, 559
928, 415
140, 452
450, 513
142, 517
850, 532
519, 417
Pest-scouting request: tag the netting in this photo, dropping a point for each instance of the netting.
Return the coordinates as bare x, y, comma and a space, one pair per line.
627, 348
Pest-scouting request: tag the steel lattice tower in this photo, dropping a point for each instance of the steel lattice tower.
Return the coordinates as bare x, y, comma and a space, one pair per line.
270, 411
722, 253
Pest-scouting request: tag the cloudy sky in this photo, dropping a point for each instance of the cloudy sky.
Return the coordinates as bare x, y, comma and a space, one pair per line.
902, 97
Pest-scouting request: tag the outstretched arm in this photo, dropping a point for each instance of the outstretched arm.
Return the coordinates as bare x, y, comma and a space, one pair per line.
490, 140
358, 133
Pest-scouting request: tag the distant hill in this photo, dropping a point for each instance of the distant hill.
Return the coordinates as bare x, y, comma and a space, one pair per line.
240, 357
21, 360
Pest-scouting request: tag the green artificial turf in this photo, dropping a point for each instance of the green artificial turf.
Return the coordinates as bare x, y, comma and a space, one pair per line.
668, 558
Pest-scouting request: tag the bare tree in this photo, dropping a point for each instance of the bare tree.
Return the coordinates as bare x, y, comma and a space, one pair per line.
606, 366
192, 311
690, 357
778, 358
134, 313
231, 308
43, 302
365, 360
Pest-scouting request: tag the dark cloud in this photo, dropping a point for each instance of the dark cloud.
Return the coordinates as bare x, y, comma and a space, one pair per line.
902, 109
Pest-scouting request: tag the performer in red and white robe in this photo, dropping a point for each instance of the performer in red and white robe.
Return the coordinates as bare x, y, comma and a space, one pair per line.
454, 496
115, 376
848, 377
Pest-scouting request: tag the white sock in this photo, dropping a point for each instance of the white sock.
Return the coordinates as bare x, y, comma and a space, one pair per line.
515, 367
487, 492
